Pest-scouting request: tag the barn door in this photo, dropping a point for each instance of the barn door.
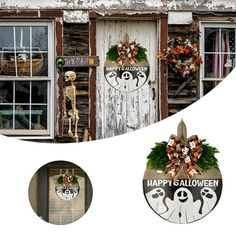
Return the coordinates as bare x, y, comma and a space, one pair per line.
126, 100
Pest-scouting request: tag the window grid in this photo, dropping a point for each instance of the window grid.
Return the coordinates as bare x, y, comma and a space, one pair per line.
49, 77
220, 27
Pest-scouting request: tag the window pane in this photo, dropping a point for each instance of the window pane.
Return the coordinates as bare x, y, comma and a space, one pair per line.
228, 63
6, 37
6, 92
23, 63
211, 40
39, 63
43, 65
228, 40
39, 117
22, 37
209, 85
22, 92
40, 37
6, 117
8, 62
212, 66
22, 117
39, 92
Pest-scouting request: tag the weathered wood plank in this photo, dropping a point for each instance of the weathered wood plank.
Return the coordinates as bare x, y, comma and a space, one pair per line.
121, 112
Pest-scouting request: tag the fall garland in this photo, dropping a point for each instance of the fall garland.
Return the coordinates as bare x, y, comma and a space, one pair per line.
182, 55
124, 52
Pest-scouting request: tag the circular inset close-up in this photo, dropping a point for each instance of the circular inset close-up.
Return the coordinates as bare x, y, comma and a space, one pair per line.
60, 192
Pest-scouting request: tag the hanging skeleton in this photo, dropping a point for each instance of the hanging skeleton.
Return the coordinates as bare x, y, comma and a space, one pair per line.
69, 94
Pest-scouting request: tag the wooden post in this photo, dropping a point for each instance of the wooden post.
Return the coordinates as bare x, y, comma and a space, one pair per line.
163, 69
59, 32
92, 79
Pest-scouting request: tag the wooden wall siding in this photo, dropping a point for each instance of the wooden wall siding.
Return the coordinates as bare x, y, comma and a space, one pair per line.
189, 93
120, 112
75, 43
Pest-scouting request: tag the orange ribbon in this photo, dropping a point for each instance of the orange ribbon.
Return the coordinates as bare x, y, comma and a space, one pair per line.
184, 154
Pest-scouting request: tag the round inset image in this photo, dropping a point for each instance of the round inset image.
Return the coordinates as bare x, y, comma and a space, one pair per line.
182, 182
60, 192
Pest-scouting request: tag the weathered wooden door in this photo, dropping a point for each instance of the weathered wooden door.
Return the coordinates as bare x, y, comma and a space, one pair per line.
118, 112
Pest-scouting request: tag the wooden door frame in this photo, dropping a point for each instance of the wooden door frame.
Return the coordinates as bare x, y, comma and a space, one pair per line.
43, 188
163, 83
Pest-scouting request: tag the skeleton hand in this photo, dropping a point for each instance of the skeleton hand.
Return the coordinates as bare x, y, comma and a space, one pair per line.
64, 118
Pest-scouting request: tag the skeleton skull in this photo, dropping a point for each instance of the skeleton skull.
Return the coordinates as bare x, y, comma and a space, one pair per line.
70, 76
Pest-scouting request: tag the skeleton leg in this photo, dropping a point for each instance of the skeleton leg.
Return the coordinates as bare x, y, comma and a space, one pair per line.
76, 128
69, 131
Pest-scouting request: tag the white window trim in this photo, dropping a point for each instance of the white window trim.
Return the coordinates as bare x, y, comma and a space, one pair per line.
38, 134
202, 26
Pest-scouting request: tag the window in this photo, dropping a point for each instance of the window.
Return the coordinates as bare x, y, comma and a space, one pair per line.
26, 78
218, 51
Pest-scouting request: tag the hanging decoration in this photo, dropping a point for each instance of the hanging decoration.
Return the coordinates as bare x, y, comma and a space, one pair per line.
182, 182
126, 68
182, 56
68, 186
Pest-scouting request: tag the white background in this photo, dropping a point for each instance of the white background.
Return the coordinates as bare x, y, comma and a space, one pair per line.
116, 167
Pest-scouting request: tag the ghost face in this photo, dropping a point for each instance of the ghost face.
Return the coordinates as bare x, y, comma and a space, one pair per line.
182, 209
209, 200
112, 78
155, 199
126, 80
67, 194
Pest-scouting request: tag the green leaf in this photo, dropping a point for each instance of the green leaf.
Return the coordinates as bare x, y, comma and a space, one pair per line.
112, 54
141, 55
208, 160
158, 159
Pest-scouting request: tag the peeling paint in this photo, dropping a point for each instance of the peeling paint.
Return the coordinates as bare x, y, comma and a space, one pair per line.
163, 5
76, 16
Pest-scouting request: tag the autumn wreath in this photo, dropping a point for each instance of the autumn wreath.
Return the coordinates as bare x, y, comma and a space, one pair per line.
182, 55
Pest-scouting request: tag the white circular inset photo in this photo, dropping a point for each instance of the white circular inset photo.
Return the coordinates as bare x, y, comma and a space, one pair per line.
60, 192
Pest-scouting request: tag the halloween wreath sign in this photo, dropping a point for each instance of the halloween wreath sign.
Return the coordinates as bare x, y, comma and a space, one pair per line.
182, 182
68, 186
182, 56
126, 68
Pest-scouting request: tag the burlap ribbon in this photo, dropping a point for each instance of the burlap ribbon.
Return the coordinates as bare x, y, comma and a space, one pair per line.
183, 154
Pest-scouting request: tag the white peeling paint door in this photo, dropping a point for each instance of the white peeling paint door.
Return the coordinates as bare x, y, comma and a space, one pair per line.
120, 112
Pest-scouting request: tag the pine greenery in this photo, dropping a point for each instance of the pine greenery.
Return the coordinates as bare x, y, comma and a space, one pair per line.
112, 54
158, 159
141, 55
208, 159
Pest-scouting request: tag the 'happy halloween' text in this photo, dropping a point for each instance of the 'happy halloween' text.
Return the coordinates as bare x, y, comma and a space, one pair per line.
183, 182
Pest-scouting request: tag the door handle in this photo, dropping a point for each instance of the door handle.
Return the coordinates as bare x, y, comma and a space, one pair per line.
153, 94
